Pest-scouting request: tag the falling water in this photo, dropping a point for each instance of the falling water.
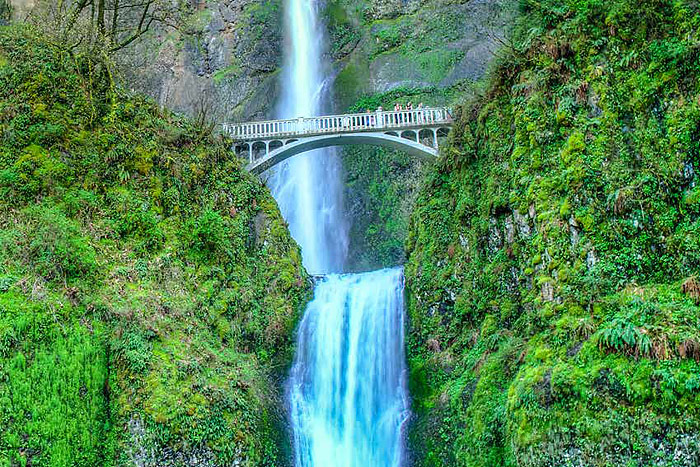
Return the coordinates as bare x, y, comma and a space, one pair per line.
307, 187
347, 394
348, 398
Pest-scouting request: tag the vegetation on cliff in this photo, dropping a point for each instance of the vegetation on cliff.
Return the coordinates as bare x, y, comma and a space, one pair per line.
554, 252
388, 51
381, 45
148, 286
382, 185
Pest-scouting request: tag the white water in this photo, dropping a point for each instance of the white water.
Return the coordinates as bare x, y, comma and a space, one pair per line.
307, 187
347, 394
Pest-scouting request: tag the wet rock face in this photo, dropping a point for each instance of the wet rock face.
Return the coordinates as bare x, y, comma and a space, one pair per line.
224, 60
418, 44
20, 8
522, 223
222, 64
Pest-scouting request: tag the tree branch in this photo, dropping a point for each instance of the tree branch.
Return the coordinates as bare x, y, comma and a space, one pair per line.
140, 30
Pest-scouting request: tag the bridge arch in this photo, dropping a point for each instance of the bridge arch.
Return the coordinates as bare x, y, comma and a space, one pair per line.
291, 149
414, 131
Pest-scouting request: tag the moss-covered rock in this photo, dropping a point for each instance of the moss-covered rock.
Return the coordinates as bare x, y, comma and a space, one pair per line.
149, 288
549, 248
378, 46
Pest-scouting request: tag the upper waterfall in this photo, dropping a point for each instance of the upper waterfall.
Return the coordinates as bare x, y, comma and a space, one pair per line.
308, 188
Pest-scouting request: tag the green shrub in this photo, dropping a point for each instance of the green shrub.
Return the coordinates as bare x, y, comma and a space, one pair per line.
57, 248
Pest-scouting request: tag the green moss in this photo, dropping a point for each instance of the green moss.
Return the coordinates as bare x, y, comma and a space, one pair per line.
259, 17
342, 27
351, 82
149, 289
435, 65
557, 332
229, 72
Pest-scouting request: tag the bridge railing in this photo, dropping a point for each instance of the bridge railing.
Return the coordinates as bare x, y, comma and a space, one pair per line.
346, 123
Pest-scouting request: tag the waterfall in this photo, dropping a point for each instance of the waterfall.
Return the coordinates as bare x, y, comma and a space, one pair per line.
347, 392
348, 398
308, 187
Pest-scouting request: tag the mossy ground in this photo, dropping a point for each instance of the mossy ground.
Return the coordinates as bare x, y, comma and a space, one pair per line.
148, 286
553, 251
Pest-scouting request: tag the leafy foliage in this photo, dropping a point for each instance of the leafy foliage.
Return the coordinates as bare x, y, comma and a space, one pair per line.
149, 288
549, 247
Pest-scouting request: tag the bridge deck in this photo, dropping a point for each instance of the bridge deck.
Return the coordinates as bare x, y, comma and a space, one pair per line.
339, 124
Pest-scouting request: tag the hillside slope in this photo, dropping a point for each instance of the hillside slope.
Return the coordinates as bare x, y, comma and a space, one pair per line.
554, 251
149, 288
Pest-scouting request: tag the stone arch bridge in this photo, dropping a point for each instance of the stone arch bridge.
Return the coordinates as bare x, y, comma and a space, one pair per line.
268, 143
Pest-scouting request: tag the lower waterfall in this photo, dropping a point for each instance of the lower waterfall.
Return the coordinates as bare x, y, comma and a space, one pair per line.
347, 387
